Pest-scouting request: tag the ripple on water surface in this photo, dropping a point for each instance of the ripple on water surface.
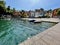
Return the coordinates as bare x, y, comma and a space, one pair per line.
16, 31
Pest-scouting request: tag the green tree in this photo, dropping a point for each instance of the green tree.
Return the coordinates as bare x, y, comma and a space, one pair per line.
41, 9
22, 13
2, 11
58, 13
8, 10
50, 10
2, 6
2, 3
13, 9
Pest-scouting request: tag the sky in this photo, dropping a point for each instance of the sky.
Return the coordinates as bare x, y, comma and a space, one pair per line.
33, 4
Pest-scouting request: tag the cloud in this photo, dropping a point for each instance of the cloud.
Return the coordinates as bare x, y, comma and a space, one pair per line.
34, 2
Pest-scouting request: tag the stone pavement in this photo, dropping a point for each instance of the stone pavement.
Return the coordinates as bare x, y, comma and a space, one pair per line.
43, 19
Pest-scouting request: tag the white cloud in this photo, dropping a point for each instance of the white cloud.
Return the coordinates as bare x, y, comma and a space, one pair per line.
34, 2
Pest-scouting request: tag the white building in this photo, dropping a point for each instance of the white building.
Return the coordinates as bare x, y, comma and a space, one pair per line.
32, 14
36, 13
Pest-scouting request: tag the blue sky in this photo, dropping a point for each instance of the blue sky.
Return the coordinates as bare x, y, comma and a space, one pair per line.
33, 4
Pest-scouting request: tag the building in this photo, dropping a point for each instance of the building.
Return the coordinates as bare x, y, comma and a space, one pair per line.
27, 14
54, 14
48, 14
39, 13
32, 14
36, 13
16, 13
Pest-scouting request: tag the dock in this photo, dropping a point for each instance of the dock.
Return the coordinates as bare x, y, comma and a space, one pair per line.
43, 19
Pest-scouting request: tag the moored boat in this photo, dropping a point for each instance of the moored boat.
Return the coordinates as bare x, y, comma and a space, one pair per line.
31, 20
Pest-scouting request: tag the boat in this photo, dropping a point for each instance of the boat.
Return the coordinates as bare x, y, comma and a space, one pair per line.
37, 21
31, 20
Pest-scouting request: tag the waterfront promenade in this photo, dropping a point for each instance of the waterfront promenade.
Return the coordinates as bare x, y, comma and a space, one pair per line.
50, 36
43, 19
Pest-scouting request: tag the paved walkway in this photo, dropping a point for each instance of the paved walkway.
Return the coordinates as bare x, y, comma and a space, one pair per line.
43, 19
49, 37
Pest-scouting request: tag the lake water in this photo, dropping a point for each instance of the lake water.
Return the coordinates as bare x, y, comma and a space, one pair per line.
15, 31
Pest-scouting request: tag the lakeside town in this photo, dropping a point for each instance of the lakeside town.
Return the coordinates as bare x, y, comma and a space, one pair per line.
29, 27
37, 13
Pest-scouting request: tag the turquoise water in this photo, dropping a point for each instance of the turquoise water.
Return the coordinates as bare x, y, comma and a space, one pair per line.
15, 31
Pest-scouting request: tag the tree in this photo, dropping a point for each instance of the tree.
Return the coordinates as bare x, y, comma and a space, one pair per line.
58, 13
23, 14
41, 9
2, 10
2, 7
13, 9
50, 10
8, 10
2, 3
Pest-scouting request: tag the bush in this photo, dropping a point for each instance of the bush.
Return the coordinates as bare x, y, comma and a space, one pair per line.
58, 13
